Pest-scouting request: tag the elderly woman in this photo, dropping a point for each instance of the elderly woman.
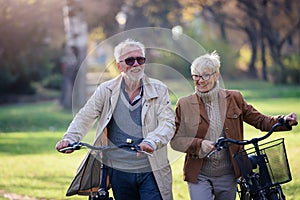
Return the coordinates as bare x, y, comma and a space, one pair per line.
204, 116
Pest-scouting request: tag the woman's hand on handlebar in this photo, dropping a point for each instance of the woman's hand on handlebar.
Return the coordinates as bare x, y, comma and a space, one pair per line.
63, 144
291, 119
207, 146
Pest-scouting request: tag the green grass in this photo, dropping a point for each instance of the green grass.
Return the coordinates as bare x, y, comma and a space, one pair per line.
253, 89
31, 166
34, 117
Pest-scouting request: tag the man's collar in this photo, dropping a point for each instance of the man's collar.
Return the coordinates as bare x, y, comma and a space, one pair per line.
138, 97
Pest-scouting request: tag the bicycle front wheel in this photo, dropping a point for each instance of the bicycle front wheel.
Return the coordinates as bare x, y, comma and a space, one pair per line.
244, 193
276, 194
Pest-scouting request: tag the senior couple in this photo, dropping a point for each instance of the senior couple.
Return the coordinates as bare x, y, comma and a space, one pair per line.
133, 108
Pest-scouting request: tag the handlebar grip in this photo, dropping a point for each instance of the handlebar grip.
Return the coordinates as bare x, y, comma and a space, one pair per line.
286, 122
295, 124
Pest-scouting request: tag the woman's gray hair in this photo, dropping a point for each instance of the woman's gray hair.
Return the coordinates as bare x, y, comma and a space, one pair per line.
206, 61
128, 42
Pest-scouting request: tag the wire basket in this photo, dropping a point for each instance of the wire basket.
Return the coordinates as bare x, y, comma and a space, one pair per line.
275, 157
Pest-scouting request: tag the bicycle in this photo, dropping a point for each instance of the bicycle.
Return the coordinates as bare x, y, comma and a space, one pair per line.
264, 167
103, 193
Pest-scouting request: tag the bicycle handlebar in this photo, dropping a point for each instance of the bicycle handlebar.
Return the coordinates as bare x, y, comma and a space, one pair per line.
78, 145
223, 142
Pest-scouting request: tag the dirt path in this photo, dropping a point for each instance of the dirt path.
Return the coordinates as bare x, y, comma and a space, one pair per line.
12, 196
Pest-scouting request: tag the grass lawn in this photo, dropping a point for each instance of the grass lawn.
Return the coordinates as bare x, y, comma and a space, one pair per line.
31, 166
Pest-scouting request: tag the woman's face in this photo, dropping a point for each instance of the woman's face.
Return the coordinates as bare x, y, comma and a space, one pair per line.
205, 80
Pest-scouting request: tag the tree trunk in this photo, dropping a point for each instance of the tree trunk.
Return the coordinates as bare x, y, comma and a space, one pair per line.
253, 43
74, 73
263, 22
263, 60
222, 30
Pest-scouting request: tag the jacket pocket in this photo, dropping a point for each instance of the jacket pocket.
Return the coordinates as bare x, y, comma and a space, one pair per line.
234, 113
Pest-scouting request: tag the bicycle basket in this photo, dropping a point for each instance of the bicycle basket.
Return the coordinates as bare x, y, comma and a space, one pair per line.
275, 158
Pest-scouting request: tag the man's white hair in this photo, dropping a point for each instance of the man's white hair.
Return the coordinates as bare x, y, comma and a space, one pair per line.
128, 42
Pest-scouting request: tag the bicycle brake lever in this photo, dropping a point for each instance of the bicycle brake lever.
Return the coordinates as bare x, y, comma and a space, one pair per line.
138, 149
74, 146
66, 149
145, 152
211, 153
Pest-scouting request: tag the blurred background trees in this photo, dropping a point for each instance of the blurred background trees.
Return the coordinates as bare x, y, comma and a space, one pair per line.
255, 39
25, 50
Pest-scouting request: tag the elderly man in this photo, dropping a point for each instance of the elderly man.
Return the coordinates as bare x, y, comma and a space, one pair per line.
130, 107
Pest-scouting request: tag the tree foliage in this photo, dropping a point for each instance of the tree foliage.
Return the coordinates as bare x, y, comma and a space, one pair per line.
24, 52
32, 32
32, 37
143, 13
272, 28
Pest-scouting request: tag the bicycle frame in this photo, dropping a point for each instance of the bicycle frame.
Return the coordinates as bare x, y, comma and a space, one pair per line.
257, 185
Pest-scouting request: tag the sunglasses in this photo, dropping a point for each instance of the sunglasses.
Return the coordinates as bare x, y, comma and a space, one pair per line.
131, 60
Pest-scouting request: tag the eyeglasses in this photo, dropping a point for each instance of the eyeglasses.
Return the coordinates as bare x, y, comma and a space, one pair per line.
131, 60
205, 76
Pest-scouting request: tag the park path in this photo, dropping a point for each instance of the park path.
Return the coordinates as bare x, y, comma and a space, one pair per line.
12, 196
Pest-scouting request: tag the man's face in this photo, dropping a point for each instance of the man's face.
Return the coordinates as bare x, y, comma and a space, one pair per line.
132, 71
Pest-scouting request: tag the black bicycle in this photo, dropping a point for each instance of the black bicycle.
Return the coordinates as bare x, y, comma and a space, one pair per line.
264, 167
103, 192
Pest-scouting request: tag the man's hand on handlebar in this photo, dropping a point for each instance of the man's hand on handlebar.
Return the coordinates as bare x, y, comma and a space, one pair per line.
291, 119
63, 144
145, 148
